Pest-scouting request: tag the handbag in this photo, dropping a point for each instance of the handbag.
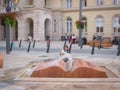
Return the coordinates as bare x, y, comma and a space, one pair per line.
65, 59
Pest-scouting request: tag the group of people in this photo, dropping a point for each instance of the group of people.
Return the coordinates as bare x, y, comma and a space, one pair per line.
71, 38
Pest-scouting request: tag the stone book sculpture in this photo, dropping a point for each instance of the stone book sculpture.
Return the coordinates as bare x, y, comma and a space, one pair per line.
57, 69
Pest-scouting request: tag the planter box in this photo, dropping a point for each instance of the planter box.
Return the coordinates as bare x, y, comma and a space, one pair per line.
1, 60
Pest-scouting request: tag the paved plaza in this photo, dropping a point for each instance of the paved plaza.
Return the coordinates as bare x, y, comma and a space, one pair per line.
19, 59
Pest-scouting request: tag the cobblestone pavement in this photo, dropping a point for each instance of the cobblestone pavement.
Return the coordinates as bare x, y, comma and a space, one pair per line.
19, 59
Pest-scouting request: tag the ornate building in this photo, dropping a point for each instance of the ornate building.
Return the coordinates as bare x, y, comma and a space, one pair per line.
56, 18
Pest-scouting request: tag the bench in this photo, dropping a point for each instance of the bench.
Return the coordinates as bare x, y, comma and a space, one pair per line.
106, 42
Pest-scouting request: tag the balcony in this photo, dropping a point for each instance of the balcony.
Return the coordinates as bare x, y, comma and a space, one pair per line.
3, 9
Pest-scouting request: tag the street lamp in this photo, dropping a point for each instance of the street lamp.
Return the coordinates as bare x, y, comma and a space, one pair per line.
7, 27
9, 5
80, 18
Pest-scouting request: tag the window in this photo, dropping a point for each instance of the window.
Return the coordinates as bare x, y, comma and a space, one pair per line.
116, 2
69, 25
84, 19
99, 2
0, 2
68, 3
8, 3
99, 25
48, 4
29, 2
84, 3
116, 24
54, 25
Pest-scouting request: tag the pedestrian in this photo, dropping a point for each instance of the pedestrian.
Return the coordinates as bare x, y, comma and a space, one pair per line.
66, 57
69, 38
73, 38
66, 37
64, 50
29, 37
94, 37
47, 37
84, 40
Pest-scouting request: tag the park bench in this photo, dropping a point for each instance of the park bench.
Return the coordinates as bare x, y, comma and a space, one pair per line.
105, 42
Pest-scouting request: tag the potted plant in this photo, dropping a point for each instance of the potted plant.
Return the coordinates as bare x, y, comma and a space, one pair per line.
79, 24
10, 21
1, 60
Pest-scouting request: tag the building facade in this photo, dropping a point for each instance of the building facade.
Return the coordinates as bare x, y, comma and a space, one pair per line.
56, 18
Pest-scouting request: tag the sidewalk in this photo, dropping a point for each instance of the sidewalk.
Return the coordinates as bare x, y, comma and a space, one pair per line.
19, 59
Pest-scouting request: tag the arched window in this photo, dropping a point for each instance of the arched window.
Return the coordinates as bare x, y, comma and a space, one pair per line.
99, 25
69, 25
116, 2
68, 3
99, 2
84, 19
116, 24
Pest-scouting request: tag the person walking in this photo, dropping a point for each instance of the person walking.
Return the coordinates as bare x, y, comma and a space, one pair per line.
73, 38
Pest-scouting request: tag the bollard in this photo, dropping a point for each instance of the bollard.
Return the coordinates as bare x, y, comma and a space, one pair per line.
93, 48
29, 46
34, 43
70, 47
64, 45
20, 43
48, 45
118, 53
81, 44
11, 46
100, 45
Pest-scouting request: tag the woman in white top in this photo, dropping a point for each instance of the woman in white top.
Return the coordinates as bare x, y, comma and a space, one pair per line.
73, 38
66, 57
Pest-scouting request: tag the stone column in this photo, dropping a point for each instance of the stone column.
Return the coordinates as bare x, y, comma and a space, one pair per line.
21, 28
39, 26
59, 27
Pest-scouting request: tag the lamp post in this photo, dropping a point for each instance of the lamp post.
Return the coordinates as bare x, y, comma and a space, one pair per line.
7, 27
80, 18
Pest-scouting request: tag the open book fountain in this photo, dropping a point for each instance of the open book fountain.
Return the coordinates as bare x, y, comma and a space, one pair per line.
57, 69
